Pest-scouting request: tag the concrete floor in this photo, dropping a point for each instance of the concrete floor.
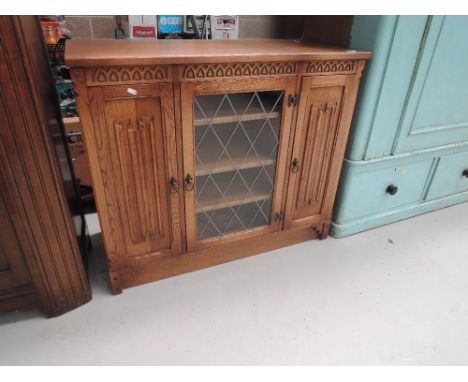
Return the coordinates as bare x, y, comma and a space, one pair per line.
393, 295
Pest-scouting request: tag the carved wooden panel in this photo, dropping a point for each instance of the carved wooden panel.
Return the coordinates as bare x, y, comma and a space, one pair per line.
133, 139
201, 71
135, 133
332, 67
320, 122
127, 75
313, 149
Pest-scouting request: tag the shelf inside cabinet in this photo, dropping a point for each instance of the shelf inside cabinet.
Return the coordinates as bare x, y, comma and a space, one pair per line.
236, 118
219, 109
226, 165
234, 200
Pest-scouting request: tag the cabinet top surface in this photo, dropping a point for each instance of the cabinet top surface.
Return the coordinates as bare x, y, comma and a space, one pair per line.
82, 53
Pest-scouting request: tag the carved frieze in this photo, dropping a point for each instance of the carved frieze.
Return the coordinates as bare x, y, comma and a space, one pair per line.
201, 71
332, 66
126, 75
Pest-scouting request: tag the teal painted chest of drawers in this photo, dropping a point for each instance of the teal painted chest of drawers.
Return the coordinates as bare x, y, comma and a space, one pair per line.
408, 149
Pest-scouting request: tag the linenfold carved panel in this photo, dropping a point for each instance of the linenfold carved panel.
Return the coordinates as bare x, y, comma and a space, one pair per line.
332, 66
239, 70
319, 132
126, 75
136, 169
319, 115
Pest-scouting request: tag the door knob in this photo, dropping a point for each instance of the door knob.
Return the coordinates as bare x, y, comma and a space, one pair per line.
465, 173
295, 166
173, 185
279, 216
189, 183
392, 189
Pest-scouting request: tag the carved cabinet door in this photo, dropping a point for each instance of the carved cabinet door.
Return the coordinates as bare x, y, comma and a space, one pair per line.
133, 158
317, 152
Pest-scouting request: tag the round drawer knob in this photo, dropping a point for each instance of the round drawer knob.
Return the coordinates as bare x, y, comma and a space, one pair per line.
392, 189
465, 173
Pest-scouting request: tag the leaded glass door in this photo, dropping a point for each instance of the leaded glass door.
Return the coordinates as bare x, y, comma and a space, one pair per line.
235, 145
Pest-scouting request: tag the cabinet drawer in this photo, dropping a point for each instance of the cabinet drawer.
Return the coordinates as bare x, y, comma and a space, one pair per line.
370, 191
450, 177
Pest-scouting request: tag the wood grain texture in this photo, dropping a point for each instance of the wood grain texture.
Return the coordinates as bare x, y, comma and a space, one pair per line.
336, 162
133, 139
93, 53
316, 136
137, 215
331, 67
191, 89
19, 298
36, 212
13, 270
254, 69
127, 75
171, 266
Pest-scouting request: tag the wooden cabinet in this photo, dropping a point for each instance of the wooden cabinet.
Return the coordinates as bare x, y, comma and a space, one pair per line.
206, 151
13, 270
411, 125
40, 261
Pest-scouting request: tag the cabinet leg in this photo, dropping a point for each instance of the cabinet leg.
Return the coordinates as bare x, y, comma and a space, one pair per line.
114, 279
324, 233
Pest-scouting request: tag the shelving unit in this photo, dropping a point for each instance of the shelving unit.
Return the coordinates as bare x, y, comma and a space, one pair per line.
253, 115
226, 165
235, 107
233, 219
234, 200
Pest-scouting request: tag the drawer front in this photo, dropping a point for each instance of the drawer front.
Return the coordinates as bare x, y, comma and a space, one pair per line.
451, 176
369, 191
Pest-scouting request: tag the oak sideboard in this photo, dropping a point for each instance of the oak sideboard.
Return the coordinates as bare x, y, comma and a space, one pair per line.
206, 151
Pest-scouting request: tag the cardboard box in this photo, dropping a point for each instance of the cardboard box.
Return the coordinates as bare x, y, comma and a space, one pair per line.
224, 27
137, 27
74, 136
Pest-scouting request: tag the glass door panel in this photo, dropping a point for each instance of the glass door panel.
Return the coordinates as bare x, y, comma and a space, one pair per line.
236, 147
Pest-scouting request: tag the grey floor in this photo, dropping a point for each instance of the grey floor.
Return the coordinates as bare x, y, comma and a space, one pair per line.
393, 295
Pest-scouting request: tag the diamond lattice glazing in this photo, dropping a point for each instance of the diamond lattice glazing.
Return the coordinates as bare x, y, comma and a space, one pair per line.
235, 149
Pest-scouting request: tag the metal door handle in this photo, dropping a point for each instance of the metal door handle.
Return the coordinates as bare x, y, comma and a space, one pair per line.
189, 183
173, 185
295, 166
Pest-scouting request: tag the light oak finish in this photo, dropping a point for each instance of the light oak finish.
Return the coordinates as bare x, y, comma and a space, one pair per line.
189, 91
171, 266
94, 53
319, 114
226, 165
136, 102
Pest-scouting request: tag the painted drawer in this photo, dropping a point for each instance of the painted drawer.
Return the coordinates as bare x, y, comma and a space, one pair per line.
450, 177
368, 190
